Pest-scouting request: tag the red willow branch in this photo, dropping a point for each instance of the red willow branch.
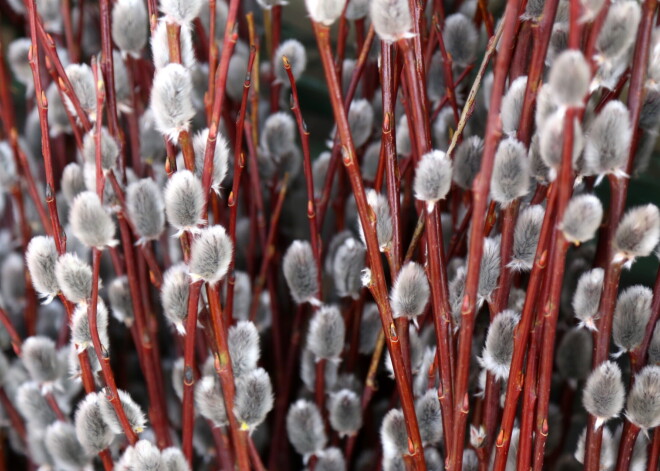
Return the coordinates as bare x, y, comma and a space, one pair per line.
619, 190
447, 69
377, 286
187, 410
480, 191
108, 68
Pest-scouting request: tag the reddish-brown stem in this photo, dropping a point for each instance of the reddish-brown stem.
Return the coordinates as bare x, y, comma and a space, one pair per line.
654, 452
174, 42
14, 417
638, 356
367, 218
255, 459
16, 341
224, 370
314, 235
447, 70
626, 445
108, 68
189, 371
319, 385
480, 192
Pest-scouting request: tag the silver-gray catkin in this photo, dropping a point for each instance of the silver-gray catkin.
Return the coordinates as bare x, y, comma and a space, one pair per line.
109, 149
221, 157
180, 11
146, 208
33, 406
279, 133
174, 295
130, 26
90, 222
210, 254
325, 337
498, 350
631, 315
526, 237
608, 140
381, 208
467, 161
586, 298
370, 326
40, 258
654, 346
391, 19
643, 405
297, 57
92, 431
638, 232
80, 327
603, 395
254, 398
461, 39
510, 179
300, 271
569, 77
330, 459
429, 417
573, 358
83, 85
174, 460
361, 121
582, 218
134, 414
243, 341
512, 103
345, 412
305, 429
160, 47
72, 182
619, 30
184, 201
432, 177
63, 445
121, 302
40, 359
74, 277
347, 267
393, 434
411, 291
325, 12
210, 401
171, 100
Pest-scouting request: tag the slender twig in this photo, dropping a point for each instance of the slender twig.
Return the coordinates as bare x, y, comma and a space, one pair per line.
188, 371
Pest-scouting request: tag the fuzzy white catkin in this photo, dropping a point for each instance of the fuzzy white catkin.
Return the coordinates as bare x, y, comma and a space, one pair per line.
381, 209
300, 271
393, 434
490, 268
607, 450
581, 218
638, 232
347, 268
33, 406
330, 459
80, 328
569, 78
73, 181
180, 11
411, 291
278, 133
345, 412
467, 161
551, 141
209, 401
160, 47
174, 460
220, 157
305, 429
243, 341
17, 56
574, 354
40, 359
184, 201
510, 179
134, 414
92, 431
146, 209
361, 121
63, 445
210, 254
325, 12
512, 104
82, 84
461, 39
171, 100
619, 29
608, 140
308, 371
74, 277
632, 313
391, 19
90, 223
498, 350
643, 406
432, 177
254, 398
603, 393
40, 258
325, 337
297, 57
586, 298
129, 26
429, 417
357, 9
121, 302
526, 237
143, 455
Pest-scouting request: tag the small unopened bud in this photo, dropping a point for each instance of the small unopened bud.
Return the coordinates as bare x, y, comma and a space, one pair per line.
526, 237
32, 405
74, 277
498, 350
574, 355
133, 412
40, 359
581, 218
300, 272
393, 434
632, 313
461, 39
210, 254
184, 201
345, 412
63, 445
180, 11
325, 12
121, 301
381, 209
325, 337
391, 19
467, 161
254, 398
80, 328
160, 46
171, 100
569, 78
40, 257
586, 298
512, 104
604, 394
210, 402
279, 133
295, 53
72, 182
130, 26
619, 29
432, 177
243, 340
92, 431
411, 291
83, 85
304, 427
510, 178
608, 140
174, 460
220, 157
429, 417
347, 268
643, 406
638, 232
361, 121
146, 209
109, 149
90, 222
